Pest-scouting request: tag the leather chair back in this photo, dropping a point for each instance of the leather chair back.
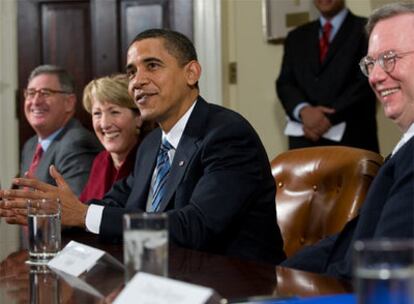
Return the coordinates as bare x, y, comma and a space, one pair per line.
319, 189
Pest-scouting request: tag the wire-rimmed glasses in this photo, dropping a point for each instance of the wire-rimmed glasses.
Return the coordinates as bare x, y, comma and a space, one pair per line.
386, 61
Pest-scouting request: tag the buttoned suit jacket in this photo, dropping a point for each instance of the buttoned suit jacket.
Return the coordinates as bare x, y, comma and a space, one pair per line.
388, 212
337, 82
220, 193
72, 152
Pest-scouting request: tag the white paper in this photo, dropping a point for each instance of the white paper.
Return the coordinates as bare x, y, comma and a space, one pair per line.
76, 258
146, 288
335, 133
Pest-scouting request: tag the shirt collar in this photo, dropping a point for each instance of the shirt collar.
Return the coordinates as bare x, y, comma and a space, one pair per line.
406, 137
45, 143
335, 21
174, 135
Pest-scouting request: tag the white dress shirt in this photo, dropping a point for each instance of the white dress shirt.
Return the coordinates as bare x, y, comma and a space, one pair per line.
406, 137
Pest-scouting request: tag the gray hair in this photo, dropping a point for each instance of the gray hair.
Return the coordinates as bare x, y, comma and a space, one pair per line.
65, 80
388, 11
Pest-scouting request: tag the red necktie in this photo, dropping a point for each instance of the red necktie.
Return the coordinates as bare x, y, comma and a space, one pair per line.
35, 161
324, 41
32, 170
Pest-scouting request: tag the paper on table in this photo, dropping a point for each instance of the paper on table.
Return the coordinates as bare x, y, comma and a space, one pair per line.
148, 288
76, 258
335, 133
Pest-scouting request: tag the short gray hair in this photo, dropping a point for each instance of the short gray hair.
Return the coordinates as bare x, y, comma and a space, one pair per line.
65, 80
388, 11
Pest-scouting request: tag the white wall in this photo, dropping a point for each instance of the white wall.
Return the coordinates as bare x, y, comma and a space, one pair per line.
207, 40
8, 84
8, 122
258, 64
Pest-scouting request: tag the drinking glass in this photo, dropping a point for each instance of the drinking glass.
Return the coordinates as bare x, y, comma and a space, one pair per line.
43, 217
145, 244
44, 285
384, 271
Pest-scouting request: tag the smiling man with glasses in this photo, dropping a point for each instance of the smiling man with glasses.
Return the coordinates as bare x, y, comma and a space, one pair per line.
60, 139
388, 210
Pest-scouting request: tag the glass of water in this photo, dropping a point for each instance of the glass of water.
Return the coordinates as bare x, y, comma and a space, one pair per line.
43, 217
44, 285
145, 244
384, 271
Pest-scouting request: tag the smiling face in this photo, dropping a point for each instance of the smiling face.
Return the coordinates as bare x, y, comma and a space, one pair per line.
162, 89
47, 114
116, 128
395, 90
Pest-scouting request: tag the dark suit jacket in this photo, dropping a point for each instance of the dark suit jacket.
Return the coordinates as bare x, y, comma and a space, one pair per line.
337, 82
388, 211
72, 152
221, 193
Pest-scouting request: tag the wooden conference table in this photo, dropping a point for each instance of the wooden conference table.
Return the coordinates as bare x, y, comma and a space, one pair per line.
231, 278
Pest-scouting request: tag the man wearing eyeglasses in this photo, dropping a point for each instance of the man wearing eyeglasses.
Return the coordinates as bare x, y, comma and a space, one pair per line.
388, 211
60, 139
326, 98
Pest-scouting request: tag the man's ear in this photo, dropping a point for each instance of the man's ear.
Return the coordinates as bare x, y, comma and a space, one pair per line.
70, 102
192, 72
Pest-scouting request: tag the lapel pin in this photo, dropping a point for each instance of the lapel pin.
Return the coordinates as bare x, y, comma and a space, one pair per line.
181, 163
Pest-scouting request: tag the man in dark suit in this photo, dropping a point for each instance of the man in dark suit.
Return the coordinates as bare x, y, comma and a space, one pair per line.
219, 191
326, 98
60, 139
388, 211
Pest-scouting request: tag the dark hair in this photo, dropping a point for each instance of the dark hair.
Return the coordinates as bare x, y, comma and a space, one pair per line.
65, 80
388, 11
177, 44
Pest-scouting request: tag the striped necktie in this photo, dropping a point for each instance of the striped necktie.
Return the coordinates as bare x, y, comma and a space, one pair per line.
161, 175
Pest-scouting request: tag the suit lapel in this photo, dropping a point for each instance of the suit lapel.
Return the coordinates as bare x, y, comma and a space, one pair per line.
314, 49
343, 34
187, 148
42, 171
29, 153
144, 170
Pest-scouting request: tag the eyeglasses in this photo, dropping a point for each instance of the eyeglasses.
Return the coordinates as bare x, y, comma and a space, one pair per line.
386, 61
43, 93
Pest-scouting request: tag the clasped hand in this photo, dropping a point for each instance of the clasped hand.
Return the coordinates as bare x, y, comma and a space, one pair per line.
315, 121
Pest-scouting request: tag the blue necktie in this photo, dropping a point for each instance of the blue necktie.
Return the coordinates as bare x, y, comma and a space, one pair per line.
163, 170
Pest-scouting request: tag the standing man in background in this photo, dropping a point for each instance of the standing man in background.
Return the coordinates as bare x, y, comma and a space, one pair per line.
60, 139
326, 97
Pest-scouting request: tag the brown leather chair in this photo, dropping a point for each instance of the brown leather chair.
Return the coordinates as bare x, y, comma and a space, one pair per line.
319, 189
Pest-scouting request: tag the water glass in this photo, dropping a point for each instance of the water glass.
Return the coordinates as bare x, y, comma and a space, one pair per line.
43, 217
44, 285
384, 271
145, 244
